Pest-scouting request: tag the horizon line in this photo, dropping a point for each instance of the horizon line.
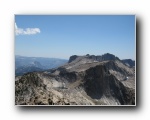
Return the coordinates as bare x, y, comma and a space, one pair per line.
70, 56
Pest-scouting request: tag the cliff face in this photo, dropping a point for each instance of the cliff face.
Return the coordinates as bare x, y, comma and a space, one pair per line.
80, 82
100, 83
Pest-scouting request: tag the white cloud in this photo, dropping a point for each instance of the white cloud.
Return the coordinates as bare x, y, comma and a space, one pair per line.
27, 31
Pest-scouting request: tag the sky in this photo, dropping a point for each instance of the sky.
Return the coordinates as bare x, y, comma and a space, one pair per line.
60, 36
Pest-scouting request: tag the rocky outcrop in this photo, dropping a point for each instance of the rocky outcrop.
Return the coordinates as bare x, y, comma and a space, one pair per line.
32, 90
72, 58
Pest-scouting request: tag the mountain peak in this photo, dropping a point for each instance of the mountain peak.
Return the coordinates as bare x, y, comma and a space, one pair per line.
99, 58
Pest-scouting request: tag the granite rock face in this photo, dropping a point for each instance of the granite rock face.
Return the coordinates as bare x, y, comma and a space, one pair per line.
99, 83
85, 80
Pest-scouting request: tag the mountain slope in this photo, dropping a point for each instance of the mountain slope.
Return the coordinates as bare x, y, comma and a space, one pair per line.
129, 62
83, 81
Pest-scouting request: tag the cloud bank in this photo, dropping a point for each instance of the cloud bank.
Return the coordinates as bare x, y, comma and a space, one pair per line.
27, 31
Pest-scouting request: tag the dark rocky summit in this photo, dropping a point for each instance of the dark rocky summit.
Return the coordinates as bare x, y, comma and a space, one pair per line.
72, 58
85, 80
101, 58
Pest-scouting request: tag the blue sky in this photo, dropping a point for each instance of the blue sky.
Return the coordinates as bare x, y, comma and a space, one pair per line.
60, 36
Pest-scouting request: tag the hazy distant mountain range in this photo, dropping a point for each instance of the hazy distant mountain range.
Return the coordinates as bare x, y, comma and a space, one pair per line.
29, 64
